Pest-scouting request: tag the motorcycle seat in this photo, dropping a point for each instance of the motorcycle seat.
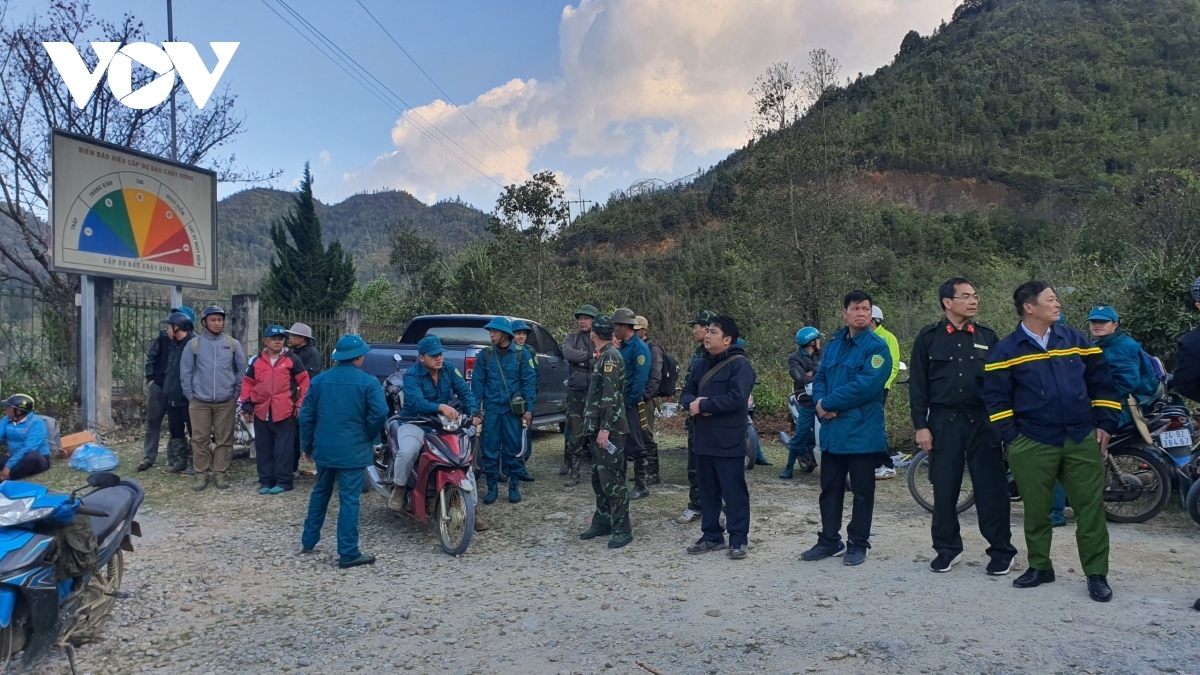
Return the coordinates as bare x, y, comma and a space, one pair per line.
116, 502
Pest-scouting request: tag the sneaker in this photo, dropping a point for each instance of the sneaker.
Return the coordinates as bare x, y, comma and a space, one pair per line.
737, 552
998, 568
823, 551
884, 473
222, 483
855, 555
704, 546
263, 490
396, 500
687, 517
199, 483
943, 563
274, 491
1058, 519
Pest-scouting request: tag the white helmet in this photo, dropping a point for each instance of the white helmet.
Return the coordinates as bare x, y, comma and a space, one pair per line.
876, 313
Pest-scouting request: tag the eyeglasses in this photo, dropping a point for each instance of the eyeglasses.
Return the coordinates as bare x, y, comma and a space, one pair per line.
967, 296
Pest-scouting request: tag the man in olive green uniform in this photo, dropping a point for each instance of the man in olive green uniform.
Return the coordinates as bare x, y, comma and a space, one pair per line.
581, 356
606, 426
699, 325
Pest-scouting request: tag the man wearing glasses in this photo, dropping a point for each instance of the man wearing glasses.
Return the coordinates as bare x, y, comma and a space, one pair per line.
946, 396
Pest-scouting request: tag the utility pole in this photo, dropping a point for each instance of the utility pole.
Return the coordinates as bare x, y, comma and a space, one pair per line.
581, 202
176, 291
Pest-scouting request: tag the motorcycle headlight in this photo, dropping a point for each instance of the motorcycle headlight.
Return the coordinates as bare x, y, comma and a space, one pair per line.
16, 511
449, 424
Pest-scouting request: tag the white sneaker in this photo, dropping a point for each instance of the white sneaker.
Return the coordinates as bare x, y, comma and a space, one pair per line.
687, 517
884, 473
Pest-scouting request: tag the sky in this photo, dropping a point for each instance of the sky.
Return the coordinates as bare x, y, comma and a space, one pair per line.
601, 92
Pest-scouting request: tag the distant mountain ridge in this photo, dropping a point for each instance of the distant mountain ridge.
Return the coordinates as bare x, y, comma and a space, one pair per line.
363, 223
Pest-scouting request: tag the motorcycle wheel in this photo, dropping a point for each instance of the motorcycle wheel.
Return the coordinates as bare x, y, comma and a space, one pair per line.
14, 638
94, 605
1193, 501
1136, 467
921, 486
455, 522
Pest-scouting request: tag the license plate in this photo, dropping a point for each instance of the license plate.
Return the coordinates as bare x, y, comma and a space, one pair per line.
1175, 439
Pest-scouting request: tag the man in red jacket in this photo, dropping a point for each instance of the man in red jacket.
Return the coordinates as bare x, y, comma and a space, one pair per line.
272, 391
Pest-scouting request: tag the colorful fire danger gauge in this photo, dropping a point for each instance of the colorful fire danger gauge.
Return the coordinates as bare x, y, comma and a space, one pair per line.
133, 215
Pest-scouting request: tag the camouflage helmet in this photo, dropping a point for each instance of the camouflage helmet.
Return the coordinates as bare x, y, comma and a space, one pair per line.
703, 317
603, 327
625, 316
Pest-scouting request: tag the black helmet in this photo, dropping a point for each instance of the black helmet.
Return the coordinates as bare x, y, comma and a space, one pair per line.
180, 320
209, 311
22, 402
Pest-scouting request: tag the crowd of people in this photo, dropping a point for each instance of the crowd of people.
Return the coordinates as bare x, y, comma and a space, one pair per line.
1045, 400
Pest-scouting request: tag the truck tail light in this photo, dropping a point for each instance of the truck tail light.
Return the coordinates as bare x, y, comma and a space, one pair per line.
468, 367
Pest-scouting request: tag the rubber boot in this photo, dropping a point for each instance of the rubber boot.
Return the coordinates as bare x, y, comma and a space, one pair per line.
514, 491
793, 455
639, 480
493, 489
565, 468
572, 475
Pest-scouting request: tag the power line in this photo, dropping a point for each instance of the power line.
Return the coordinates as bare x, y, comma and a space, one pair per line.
349, 66
439, 88
410, 109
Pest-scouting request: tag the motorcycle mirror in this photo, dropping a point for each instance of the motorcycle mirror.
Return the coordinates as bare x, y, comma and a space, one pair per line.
103, 479
396, 358
903, 366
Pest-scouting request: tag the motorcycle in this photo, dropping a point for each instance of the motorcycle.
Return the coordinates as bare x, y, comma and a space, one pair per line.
444, 492
60, 574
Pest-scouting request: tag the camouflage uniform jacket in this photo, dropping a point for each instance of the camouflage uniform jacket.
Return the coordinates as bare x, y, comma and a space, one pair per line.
605, 406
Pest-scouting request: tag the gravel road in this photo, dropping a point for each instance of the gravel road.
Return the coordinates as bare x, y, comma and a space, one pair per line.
213, 588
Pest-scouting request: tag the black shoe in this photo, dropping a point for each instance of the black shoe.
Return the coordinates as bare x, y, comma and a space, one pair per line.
737, 552
944, 563
1032, 578
146, 464
593, 532
704, 546
998, 567
362, 559
855, 555
619, 540
1196, 605
639, 490
1098, 588
823, 551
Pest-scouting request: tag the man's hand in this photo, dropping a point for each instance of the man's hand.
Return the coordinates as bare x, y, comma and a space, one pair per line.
247, 418
823, 414
694, 407
4, 474
925, 440
527, 419
601, 440
449, 412
1103, 437
308, 457
477, 420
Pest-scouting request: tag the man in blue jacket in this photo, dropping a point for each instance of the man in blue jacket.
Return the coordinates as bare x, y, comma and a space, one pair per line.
848, 397
717, 395
1132, 372
340, 421
1050, 397
428, 387
25, 433
637, 372
504, 383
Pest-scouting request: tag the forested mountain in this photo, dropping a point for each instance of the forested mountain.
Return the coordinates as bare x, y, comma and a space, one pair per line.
363, 223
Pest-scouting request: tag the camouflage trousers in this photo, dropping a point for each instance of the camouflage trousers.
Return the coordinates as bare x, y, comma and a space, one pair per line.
608, 482
576, 445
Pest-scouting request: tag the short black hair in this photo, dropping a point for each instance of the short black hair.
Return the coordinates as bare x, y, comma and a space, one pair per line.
1027, 292
856, 296
946, 290
727, 325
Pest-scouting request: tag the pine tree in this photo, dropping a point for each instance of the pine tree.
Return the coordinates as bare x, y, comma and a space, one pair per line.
306, 276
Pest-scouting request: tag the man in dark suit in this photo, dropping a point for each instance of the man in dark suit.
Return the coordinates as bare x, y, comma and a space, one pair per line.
717, 395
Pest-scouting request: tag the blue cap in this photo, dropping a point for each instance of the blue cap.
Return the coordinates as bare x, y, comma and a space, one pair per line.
518, 324
349, 347
275, 330
1103, 313
501, 324
430, 345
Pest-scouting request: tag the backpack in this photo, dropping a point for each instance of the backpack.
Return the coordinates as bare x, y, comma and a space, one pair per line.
1156, 366
53, 434
195, 345
670, 375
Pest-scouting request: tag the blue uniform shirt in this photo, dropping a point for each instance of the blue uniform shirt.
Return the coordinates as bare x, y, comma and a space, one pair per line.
636, 354
850, 381
494, 391
27, 435
422, 396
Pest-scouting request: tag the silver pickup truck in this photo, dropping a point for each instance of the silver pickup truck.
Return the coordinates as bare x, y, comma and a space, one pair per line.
464, 337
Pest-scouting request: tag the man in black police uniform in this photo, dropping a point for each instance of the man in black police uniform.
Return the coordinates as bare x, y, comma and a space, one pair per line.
945, 389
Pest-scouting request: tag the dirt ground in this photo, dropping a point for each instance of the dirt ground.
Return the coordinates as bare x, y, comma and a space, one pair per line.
213, 588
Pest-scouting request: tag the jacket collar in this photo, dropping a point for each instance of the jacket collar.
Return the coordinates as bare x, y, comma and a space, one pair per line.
968, 327
717, 358
1055, 335
1109, 339
844, 334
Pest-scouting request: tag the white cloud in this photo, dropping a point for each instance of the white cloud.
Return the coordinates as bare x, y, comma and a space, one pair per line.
642, 82
324, 156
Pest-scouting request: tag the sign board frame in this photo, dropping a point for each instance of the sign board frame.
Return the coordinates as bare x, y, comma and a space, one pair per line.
64, 193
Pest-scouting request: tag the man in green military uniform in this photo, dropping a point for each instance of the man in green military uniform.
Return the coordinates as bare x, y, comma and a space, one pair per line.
606, 425
581, 356
699, 325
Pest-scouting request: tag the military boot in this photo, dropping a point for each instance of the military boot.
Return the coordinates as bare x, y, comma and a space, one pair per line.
639, 480
565, 468
619, 540
594, 531
492, 491
514, 490
572, 477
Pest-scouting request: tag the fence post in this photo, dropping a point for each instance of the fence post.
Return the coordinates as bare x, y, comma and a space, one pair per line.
351, 320
243, 322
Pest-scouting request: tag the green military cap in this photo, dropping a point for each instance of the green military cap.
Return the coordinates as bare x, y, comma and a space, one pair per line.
703, 317
603, 326
587, 310
624, 315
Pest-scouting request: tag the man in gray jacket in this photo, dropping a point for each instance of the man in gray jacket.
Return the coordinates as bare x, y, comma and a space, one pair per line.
581, 355
210, 371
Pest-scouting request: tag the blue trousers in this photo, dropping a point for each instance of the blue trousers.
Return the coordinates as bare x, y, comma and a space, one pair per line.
501, 443
723, 479
1060, 499
805, 438
349, 485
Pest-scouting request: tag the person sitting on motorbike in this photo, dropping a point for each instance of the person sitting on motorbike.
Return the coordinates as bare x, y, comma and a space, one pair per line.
1132, 372
428, 386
